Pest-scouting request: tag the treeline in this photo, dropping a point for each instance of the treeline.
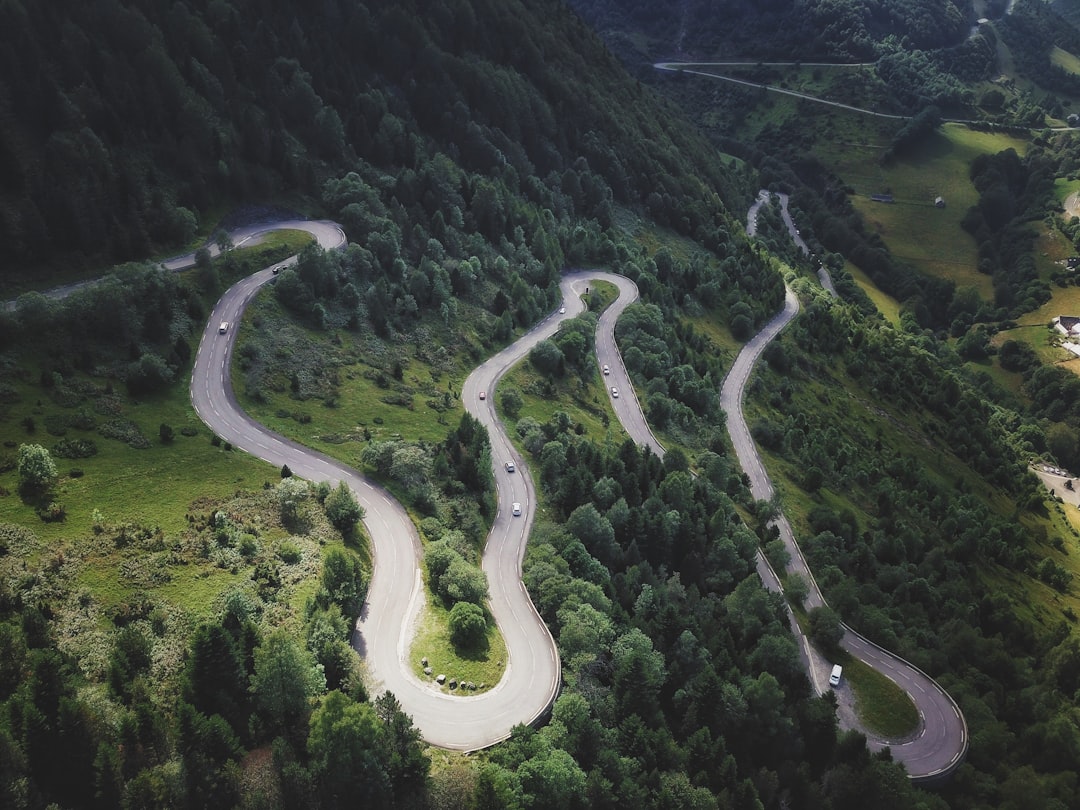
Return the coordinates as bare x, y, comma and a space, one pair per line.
1012, 193
123, 124
777, 29
1031, 32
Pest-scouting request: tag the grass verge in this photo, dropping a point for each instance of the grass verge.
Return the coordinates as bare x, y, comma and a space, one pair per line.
483, 666
882, 706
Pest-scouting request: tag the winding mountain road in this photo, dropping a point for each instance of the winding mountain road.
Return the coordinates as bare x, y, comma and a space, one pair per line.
941, 740
532, 676
395, 597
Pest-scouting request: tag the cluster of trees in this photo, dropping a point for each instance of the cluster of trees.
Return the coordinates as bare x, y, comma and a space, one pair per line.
682, 686
135, 324
914, 557
1012, 192
244, 686
449, 483
914, 81
1031, 32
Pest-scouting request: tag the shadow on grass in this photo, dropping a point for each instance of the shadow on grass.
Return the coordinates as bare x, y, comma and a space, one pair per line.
477, 651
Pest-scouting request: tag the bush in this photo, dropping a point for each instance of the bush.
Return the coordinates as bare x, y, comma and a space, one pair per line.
342, 509
37, 470
75, 448
126, 431
52, 512
467, 624
289, 553
165, 433
825, 628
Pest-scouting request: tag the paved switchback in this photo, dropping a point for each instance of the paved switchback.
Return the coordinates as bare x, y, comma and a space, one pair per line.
940, 743
385, 628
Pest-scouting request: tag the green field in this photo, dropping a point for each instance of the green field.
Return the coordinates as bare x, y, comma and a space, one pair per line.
483, 666
115, 480
884, 707
885, 303
927, 237
1064, 60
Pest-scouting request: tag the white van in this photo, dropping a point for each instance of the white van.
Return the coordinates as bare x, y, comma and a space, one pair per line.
834, 679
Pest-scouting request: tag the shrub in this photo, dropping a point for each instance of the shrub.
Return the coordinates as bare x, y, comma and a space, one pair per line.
342, 509
37, 470
126, 431
75, 448
52, 512
288, 552
467, 624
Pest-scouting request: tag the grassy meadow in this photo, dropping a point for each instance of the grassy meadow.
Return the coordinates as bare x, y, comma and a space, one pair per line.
156, 529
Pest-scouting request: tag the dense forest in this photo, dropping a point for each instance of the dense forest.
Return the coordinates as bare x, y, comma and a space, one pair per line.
124, 125
776, 29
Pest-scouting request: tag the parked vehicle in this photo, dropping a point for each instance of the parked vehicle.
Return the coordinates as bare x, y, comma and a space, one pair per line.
834, 679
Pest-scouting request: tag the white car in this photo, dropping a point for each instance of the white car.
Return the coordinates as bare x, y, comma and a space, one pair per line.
223, 328
517, 509
834, 678
509, 466
562, 310
483, 395
614, 392
607, 369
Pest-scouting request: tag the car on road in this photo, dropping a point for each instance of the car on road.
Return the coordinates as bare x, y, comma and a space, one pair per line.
483, 395
276, 270
516, 509
614, 392
607, 369
837, 672
509, 466
223, 328
562, 310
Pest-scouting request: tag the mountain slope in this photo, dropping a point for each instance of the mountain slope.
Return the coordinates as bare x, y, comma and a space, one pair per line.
123, 124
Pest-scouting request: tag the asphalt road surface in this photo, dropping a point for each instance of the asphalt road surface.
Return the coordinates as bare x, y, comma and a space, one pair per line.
385, 628
531, 678
941, 740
